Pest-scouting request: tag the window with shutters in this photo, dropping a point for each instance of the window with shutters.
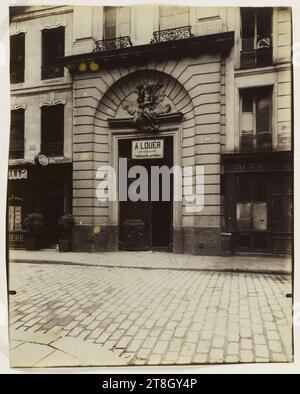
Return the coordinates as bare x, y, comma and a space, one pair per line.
17, 58
172, 17
256, 119
117, 21
52, 136
16, 146
53, 48
256, 36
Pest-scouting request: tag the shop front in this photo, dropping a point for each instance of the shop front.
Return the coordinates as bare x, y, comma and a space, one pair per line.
258, 194
46, 190
18, 202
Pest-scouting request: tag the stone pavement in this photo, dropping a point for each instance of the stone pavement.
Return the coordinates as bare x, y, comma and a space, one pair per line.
74, 315
159, 260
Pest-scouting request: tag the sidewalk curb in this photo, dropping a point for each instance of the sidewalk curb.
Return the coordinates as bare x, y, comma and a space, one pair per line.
207, 269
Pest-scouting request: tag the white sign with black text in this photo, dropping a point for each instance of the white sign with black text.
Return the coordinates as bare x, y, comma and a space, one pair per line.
148, 149
17, 174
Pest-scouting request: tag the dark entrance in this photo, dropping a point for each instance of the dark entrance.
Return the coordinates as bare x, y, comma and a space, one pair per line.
147, 225
53, 197
52, 207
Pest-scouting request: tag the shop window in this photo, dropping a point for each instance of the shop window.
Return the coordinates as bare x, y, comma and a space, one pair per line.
17, 58
17, 206
252, 216
256, 34
16, 145
256, 120
52, 136
172, 17
117, 21
15, 218
53, 47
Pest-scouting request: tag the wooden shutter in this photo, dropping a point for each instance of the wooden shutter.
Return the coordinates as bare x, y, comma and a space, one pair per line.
17, 134
124, 21
52, 133
263, 113
110, 22
17, 58
171, 17
53, 44
181, 16
248, 28
166, 17
264, 26
53, 47
247, 122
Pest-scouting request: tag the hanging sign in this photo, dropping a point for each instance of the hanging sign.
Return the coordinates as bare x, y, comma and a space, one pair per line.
147, 149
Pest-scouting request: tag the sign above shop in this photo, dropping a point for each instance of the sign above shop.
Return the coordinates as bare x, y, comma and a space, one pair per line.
41, 159
17, 174
148, 149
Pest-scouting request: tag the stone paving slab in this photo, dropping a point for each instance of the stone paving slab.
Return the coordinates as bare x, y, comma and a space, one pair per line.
58, 359
159, 260
28, 354
122, 316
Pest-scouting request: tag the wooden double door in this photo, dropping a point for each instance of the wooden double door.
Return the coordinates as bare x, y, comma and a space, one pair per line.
147, 225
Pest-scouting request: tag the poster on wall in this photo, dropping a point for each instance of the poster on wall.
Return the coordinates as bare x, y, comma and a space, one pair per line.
259, 215
147, 149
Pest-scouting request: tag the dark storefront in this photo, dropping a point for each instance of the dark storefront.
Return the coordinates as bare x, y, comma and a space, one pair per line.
258, 192
34, 188
18, 205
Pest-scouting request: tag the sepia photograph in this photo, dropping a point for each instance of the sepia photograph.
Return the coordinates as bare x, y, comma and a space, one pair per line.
150, 185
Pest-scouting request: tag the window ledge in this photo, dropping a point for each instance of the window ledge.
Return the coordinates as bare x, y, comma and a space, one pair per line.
250, 70
53, 80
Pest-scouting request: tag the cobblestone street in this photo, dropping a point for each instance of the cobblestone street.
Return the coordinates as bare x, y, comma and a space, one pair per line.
147, 317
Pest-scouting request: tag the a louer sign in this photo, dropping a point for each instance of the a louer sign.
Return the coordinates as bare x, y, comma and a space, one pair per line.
148, 149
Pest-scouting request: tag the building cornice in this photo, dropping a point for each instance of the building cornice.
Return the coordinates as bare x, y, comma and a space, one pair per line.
220, 43
125, 123
41, 13
32, 90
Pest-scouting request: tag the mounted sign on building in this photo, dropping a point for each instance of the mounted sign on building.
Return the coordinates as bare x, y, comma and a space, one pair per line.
147, 149
17, 174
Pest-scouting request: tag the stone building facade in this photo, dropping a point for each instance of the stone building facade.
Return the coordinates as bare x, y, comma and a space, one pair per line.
220, 84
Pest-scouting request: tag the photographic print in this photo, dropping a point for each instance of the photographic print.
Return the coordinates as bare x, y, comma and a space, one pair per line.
150, 185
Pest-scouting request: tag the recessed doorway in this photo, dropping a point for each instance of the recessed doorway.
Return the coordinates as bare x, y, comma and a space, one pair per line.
147, 225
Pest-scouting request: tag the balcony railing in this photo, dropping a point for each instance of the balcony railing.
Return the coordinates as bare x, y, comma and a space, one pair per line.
257, 58
261, 142
257, 54
177, 33
53, 149
52, 71
112, 44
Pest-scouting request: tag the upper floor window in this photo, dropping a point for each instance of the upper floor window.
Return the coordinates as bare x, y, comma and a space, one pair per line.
53, 47
17, 58
16, 145
172, 17
117, 21
256, 34
52, 135
256, 119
